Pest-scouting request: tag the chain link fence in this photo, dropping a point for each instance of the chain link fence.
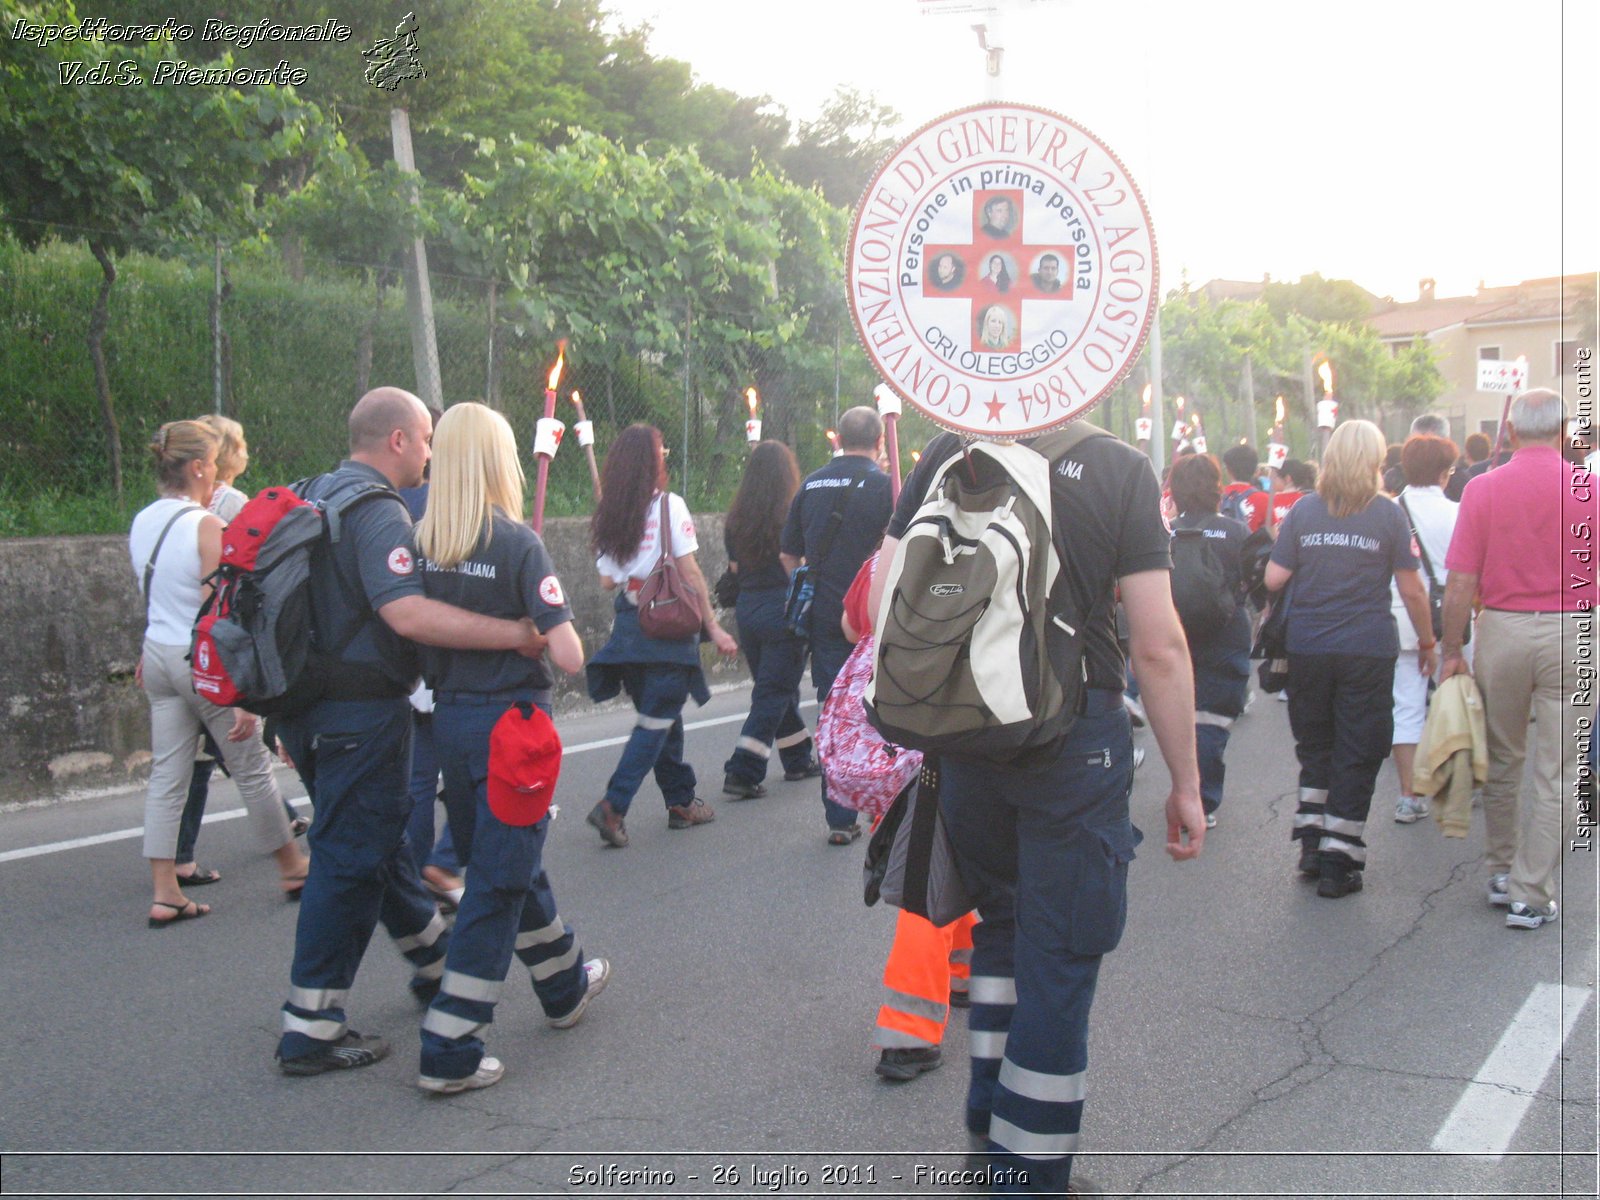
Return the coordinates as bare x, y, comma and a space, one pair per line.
286, 348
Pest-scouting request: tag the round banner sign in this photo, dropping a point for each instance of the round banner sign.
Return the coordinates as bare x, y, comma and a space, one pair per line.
1002, 271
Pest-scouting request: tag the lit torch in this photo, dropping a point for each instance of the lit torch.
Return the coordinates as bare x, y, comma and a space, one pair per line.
752, 427
1143, 425
547, 436
889, 410
833, 441
1277, 452
1199, 430
1179, 426
585, 431
1327, 407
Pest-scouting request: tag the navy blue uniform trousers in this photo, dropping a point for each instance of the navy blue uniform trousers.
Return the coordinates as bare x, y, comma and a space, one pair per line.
354, 757
1044, 853
508, 907
777, 660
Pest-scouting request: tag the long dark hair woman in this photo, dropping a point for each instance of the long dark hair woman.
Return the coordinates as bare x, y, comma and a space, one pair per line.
1336, 551
1220, 651
658, 675
777, 658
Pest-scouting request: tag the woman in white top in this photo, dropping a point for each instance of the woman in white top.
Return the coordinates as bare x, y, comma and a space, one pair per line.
233, 456
174, 544
1427, 462
658, 675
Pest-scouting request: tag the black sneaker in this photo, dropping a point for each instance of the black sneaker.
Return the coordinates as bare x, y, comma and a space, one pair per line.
740, 790
349, 1052
1334, 879
903, 1064
810, 771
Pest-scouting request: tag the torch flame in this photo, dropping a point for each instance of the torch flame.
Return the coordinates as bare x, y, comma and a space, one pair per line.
916, 456
577, 399
555, 371
1180, 404
1147, 397
752, 398
1326, 373
833, 438
1196, 415
1279, 419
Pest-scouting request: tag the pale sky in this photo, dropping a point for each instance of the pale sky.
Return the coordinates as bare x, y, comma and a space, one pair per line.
1376, 140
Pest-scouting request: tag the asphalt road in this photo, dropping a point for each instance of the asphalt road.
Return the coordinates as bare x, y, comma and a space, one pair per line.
1248, 1038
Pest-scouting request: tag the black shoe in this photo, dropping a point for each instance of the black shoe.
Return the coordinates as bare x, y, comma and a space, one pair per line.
960, 999
1310, 861
1335, 879
349, 1052
740, 790
900, 1065
810, 771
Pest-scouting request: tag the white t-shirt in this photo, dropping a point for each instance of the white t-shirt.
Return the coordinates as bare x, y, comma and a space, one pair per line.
1434, 515
226, 501
644, 559
175, 582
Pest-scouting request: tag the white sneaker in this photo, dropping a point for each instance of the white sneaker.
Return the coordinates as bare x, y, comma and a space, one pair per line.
1500, 890
489, 1073
1411, 809
1138, 757
1522, 916
597, 971
1211, 820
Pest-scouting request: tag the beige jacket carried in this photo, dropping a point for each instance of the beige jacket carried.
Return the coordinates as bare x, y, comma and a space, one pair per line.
1453, 754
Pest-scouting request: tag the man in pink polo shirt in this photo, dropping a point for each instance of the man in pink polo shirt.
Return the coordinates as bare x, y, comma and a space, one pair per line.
1524, 542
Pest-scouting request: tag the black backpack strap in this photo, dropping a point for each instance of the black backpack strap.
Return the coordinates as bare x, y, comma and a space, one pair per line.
150, 567
1053, 446
1417, 537
339, 501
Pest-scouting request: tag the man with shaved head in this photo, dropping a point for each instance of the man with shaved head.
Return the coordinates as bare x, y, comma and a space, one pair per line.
352, 746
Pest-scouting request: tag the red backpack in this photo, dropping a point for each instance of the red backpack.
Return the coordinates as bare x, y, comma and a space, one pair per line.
253, 643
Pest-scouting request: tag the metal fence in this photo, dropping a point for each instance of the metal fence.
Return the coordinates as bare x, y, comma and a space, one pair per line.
287, 348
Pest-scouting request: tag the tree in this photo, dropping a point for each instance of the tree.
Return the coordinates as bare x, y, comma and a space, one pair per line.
1318, 299
104, 161
840, 149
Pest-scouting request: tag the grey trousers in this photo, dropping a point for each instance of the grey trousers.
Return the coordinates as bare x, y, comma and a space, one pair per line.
176, 715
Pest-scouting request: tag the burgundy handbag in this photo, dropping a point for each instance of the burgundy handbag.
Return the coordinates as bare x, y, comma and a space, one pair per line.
668, 610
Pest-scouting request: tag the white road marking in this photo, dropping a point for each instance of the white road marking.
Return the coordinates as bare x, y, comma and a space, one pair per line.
1491, 1108
233, 814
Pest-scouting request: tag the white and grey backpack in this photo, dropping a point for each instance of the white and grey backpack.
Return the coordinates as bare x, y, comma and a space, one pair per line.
980, 648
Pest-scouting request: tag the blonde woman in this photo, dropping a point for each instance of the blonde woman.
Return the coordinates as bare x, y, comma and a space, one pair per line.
474, 551
1337, 551
233, 457
174, 544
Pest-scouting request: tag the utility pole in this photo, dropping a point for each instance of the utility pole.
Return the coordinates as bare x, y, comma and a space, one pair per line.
419, 293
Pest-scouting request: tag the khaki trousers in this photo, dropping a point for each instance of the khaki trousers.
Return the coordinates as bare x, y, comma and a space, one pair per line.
1527, 664
176, 715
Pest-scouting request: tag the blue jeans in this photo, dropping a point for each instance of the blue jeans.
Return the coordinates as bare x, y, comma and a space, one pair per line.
1044, 854
355, 759
425, 851
828, 654
508, 906
777, 659
658, 692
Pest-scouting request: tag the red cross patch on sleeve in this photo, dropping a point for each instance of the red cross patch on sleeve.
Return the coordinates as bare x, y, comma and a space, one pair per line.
400, 561
550, 591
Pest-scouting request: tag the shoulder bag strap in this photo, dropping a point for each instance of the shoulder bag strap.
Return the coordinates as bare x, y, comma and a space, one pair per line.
1421, 549
664, 530
150, 567
841, 505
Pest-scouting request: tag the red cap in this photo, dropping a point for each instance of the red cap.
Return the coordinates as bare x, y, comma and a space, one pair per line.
524, 763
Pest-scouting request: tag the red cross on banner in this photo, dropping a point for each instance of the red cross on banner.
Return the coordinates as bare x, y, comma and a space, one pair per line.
998, 270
